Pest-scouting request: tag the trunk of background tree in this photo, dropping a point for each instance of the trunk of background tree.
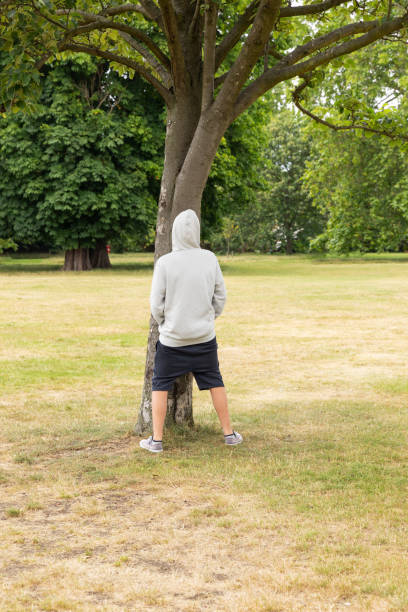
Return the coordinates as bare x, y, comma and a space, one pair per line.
77, 259
289, 243
99, 255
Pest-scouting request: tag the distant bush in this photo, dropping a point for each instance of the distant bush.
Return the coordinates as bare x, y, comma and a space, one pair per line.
7, 244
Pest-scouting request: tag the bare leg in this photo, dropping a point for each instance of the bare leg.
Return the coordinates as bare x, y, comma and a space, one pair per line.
159, 409
219, 398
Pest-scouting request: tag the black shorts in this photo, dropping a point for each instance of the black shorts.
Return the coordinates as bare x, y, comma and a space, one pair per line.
172, 361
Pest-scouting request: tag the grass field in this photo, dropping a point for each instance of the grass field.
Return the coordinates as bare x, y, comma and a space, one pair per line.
309, 514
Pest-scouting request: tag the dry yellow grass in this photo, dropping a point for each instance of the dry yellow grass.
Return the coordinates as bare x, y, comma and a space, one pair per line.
308, 514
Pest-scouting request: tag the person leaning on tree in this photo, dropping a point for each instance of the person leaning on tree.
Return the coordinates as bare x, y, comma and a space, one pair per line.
188, 293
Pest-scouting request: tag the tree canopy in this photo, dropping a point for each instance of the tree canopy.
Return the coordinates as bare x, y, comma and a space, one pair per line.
86, 166
361, 183
243, 48
214, 57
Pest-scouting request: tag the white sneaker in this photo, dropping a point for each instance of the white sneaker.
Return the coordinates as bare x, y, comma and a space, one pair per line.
153, 447
234, 438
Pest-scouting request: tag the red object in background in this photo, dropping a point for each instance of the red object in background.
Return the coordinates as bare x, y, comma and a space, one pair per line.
108, 248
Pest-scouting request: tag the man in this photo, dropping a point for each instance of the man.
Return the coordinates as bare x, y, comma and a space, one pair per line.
187, 295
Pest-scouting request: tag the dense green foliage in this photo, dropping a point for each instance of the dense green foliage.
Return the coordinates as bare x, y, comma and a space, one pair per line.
281, 216
361, 181
366, 89
290, 218
86, 165
7, 244
358, 176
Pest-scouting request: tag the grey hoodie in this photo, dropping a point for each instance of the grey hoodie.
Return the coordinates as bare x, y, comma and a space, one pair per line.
188, 291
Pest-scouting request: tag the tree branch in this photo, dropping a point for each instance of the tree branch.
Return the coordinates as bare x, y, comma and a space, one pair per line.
266, 55
181, 6
5, 3
146, 8
309, 9
220, 79
243, 23
153, 11
282, 72
296, 99
396, 39
97, 22
327, 39
230, 40
210, 31
195, 17
174, 43
58, 24
251, 51
149, 57
272, 51
113, 57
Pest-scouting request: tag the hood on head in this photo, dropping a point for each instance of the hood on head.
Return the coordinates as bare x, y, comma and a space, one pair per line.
185, 233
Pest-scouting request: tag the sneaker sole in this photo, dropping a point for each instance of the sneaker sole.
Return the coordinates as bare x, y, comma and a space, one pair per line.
152, 450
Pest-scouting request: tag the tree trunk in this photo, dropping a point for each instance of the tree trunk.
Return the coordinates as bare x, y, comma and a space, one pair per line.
181, 124
99, 255
77, 259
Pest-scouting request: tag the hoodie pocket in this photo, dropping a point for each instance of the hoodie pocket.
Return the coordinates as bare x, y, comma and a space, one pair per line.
165, 348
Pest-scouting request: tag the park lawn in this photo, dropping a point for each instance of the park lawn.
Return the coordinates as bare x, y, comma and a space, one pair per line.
310, 513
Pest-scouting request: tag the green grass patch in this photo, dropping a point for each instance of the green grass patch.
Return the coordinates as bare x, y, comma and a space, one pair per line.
313, 353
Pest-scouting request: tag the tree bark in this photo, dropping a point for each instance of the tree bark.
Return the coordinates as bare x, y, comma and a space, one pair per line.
77, 259
99, 256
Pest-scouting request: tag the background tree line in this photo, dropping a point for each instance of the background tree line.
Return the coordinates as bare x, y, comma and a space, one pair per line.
84, 169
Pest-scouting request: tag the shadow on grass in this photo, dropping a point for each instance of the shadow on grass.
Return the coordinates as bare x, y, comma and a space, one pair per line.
129, 266
249, 264
25, 266
359, 258
280, 264
31, 262
30, 268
